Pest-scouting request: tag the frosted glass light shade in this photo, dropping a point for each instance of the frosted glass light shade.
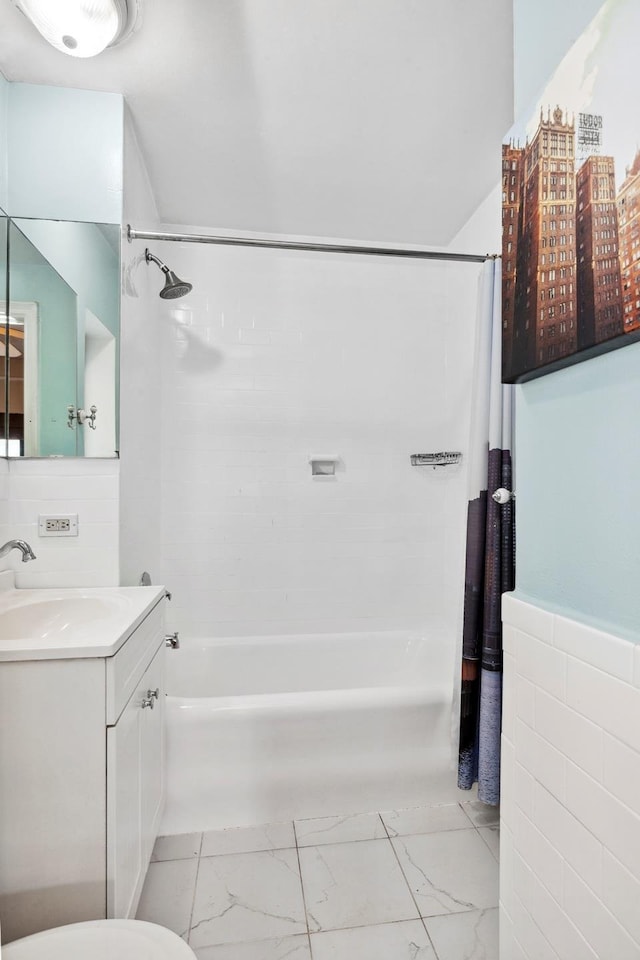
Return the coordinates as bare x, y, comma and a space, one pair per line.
81, 28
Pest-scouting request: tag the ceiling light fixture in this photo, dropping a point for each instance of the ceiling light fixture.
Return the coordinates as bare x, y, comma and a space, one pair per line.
81, 28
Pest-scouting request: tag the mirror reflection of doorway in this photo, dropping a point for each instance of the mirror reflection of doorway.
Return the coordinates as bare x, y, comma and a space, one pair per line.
22, 341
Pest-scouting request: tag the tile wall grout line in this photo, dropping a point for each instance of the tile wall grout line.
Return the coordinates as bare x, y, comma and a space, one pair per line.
420, 917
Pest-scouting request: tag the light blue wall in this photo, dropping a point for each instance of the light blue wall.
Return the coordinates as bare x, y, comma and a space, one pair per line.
577, 434
84, 259
578, 477
65, 153
4, 121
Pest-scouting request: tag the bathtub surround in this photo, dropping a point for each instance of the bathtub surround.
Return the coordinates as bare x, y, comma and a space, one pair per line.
416, 884
490, 550
275, 356
570, 815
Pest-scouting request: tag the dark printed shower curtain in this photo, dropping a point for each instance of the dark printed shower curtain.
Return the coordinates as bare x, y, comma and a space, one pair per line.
490, 552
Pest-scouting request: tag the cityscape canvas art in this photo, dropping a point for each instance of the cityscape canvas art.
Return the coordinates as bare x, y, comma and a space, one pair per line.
571, 207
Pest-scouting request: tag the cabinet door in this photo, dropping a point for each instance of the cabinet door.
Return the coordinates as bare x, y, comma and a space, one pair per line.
124, 808
152, 756
134, 789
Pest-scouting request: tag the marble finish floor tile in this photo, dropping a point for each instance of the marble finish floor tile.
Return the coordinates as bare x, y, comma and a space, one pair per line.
357, 826
491, 836
182, 846
407, 940
354, 884
481, 814
266, 836
465, 936
167, 895
431, 819
449, 872
247, 896
286, 948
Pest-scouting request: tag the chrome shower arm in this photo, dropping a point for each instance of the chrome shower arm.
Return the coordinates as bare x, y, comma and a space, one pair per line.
151, 256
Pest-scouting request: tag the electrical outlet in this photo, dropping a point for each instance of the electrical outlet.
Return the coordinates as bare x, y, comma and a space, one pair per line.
58, 526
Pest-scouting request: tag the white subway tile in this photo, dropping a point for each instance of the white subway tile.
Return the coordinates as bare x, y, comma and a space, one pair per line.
508, 695
573, 841
601, 650
64, 488
596, 923
570, 733
539, 855
530, 937
65, 467
552, 919
604, 700
524, 786
610, 821
527, 618
540, 663
508, 946
507, 781
506, 867
545, 764
97, 577
636, 665
622, 772
621, 894
525, 700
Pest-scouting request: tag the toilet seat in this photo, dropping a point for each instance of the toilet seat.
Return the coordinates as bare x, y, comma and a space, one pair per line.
101, 940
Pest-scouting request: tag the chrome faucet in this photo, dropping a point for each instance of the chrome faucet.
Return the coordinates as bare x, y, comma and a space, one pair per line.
22, 545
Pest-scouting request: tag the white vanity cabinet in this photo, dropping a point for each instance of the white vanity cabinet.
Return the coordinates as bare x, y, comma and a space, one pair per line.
81, 777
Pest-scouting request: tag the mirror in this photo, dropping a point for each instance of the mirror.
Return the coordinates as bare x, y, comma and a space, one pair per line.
62, 321
4, 345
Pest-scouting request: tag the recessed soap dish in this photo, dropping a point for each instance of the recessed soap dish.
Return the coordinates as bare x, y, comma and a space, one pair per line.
323, 465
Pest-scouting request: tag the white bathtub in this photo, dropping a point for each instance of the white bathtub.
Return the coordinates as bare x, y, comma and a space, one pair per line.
264, 729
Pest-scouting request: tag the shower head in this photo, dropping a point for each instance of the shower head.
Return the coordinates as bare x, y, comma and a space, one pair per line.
174, 287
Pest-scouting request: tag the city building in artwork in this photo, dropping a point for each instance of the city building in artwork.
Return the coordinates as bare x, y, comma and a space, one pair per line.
544, 323
512, 157
599, 288
629, 231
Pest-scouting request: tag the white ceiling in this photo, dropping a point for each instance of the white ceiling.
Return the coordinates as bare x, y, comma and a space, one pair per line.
377, 120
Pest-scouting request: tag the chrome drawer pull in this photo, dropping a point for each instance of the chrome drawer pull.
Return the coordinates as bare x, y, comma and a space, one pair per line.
154, 693
147, 701
172, 640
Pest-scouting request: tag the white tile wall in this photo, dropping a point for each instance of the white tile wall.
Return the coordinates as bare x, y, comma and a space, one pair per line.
141, 379
570, 837
276, 356
88, 488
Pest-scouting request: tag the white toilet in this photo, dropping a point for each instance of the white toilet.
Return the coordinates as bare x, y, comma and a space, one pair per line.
101, 940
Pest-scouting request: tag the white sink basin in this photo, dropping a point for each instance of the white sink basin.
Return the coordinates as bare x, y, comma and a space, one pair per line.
67, 622
45, 618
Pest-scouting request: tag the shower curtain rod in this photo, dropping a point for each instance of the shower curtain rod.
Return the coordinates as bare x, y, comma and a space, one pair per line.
316, 247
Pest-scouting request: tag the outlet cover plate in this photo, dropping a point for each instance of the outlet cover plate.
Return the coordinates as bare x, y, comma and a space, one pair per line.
58, 525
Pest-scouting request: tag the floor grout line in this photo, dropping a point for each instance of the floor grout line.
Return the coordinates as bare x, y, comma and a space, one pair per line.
195, 887
420, 917
304, 899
